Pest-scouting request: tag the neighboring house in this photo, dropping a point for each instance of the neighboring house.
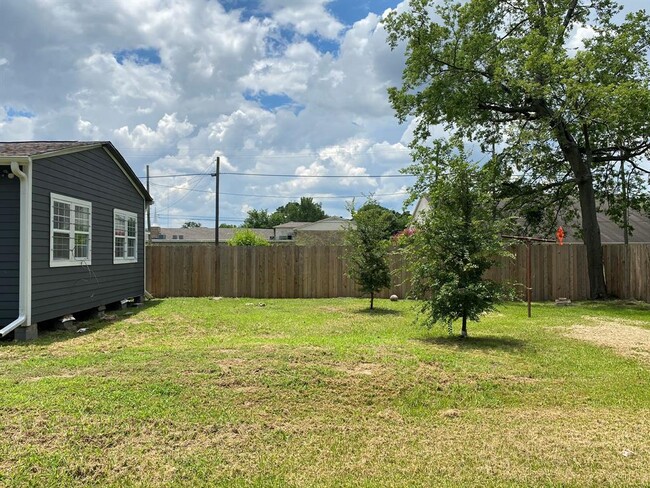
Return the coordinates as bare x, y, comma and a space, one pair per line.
610, 231
194, 235
71, 231
287, 232
329, 231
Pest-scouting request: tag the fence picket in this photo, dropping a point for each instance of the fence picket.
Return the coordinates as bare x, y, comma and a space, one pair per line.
319, 271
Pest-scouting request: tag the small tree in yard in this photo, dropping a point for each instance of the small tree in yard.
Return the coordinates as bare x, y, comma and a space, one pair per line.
367, 249
456, 242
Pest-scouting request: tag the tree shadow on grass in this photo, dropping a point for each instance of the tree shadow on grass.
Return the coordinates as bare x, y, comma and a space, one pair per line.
47, 334
477, 343
378, 311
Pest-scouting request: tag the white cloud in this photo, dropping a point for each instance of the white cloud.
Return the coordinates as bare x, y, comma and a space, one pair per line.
289, 74
168, 131
127, 82
579, 34
178, 115
306, 16
88, 130
15, 128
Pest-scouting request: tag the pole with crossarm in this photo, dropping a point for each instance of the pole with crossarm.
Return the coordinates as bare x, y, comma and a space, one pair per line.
528, 241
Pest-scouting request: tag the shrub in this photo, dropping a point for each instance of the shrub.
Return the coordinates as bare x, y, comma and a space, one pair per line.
247, 237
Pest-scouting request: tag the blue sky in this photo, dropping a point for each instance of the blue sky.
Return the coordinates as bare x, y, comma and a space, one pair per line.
295, 87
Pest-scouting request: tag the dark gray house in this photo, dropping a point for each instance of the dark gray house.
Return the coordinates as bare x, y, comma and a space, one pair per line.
71, 231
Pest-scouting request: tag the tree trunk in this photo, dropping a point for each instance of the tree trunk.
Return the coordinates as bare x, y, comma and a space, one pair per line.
463, 330
591, 238
581, 167
372, 300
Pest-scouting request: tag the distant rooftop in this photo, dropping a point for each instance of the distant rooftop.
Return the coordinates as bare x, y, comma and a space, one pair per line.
291, 225
200, 234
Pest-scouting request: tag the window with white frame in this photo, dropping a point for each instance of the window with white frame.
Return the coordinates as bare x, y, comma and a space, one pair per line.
125, 237
70, 231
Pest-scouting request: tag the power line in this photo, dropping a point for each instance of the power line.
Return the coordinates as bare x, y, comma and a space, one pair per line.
196, 183
284, 175
211, 219
323, 197
319, 176
173, 176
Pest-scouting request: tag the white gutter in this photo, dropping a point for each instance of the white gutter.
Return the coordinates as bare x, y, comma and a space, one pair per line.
25, 276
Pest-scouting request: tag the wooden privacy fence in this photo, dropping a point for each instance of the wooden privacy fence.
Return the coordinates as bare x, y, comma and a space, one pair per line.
320, 271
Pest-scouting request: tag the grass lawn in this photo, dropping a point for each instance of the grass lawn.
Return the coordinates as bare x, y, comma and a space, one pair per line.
197, 392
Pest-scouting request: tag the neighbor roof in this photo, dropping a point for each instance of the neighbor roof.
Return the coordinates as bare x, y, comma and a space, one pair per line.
610, 231
291, 225
327, 224
43, 149
204, 234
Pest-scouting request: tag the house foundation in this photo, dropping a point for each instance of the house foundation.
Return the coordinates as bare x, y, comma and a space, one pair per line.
29, 333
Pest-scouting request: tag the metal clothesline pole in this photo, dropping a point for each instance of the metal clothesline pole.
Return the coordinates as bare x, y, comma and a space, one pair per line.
529, 284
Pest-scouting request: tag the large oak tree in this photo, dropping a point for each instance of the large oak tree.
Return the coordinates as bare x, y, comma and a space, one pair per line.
571, 111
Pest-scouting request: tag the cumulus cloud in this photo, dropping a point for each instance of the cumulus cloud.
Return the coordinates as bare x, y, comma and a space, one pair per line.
88, 130
168, 131
578, 36
15, 127
176, 83
306, 16
289, 74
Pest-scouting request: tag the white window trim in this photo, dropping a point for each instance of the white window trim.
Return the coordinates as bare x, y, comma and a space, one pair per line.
126, 214
72, 261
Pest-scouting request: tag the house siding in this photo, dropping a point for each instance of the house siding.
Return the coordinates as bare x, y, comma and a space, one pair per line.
92, 176
9, 246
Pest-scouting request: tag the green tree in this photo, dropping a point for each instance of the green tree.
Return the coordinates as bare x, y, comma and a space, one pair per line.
258, 219
304, 211
367, 249
503, 74
191, 225
396, 221
246, 237
455, 242
227, 226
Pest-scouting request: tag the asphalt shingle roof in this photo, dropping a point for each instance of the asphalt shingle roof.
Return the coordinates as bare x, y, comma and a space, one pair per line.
34, 148
204, 234
43, 148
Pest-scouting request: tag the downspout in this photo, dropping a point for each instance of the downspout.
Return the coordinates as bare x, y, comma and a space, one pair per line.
25, 274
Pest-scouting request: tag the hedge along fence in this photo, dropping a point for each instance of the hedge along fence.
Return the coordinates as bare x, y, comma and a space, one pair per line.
320, 272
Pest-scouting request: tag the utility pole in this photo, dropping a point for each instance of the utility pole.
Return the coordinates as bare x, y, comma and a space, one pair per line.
216, 203
148, 209
217, 257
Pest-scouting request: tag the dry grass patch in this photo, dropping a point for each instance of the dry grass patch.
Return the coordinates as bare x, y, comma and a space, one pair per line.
626, 337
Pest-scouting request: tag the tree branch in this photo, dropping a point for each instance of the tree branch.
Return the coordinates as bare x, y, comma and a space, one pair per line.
626, 153
529, 112
544, 188
569, 15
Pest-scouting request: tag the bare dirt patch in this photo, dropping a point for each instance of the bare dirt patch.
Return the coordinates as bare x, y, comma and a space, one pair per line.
623, 336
